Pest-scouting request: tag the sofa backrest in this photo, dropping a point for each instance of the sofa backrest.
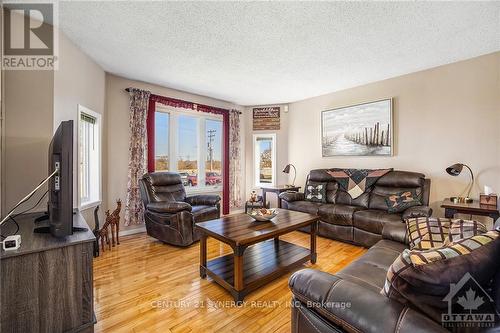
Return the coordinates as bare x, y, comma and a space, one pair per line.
398, 181
374, 197
162, 187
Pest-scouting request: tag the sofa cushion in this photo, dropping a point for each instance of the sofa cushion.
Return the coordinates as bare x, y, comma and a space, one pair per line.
356, 181
345, 199
402, 179
424, 279
305, 206
379, 195
315, 192
370, 270
373, 220
401, 201
427, 233
320, 176
337, 214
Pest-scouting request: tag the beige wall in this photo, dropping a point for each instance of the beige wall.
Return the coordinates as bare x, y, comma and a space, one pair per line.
117, 109
28, 131
441, 116
79, 80
35, 104
281, 151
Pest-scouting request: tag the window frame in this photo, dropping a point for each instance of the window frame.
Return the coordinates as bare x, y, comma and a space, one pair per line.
98, 138
256, 159
174, 114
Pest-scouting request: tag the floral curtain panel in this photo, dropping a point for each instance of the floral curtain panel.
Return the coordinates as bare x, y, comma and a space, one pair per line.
234, 159
138, 152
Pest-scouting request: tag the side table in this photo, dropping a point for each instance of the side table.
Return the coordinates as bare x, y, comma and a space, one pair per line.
451, 208
278, 189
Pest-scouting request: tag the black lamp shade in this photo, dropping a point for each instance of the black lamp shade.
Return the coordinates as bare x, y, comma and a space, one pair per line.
455, 169
287, 169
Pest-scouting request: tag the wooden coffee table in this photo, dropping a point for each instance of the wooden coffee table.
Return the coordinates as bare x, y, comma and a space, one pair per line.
259, 256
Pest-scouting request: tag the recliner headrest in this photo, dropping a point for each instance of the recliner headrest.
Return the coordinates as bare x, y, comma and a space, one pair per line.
163, 178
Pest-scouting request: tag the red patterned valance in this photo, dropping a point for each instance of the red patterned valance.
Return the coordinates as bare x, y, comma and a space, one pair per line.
179, 103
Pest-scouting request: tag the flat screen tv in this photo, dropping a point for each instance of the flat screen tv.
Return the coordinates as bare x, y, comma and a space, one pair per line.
60, 205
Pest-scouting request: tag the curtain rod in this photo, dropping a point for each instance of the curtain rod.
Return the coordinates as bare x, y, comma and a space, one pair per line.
128, 90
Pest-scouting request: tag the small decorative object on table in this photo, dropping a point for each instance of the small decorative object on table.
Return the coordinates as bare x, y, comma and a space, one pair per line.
263, 214
488, 199
255, 201
253, 196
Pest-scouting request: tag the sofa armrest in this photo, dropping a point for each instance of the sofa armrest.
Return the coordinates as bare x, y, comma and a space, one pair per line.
354, 308
395, 231
203, 200
417, 211
172, 207
292, 196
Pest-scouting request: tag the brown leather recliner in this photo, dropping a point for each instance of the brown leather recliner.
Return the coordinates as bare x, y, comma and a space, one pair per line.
169, 214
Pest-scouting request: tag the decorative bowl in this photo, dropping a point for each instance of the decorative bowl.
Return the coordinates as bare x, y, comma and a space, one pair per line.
260, 216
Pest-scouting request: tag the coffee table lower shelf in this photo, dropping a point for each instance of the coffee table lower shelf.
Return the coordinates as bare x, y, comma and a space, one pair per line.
262, 263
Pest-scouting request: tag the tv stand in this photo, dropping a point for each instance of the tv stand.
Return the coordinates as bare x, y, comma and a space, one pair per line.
44, 217
46, 230
47, 284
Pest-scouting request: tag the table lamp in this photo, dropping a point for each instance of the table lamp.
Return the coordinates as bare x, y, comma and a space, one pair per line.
455, 170
287, 170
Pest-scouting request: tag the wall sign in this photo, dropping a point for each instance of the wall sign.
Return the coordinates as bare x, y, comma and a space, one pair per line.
266, 118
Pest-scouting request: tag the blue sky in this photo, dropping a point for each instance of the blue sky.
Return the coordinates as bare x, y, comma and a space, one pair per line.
188, 135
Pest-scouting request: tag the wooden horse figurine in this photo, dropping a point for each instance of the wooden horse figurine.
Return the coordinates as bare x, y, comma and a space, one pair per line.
114, 221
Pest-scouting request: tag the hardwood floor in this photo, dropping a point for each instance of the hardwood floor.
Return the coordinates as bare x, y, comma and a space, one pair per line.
143, 285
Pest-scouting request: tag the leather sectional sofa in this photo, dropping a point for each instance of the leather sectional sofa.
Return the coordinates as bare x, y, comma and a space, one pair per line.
360, 221
350, 300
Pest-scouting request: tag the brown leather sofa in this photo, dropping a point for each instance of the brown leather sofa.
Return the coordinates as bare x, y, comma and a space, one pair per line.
350, 300
362, 220
170, 215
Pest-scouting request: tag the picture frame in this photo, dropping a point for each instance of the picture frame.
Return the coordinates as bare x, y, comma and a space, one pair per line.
358, 130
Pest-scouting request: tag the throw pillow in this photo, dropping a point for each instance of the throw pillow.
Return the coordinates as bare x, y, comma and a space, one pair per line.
427, 232
356, 181
425, 279
399, 202
315, 192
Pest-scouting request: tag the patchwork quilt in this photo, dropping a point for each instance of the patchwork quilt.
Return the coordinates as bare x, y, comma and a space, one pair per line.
356, 181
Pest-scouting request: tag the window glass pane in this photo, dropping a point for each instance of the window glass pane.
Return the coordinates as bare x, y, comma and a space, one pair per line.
88, 154
162, 122
187, 151
265, 162
213, 164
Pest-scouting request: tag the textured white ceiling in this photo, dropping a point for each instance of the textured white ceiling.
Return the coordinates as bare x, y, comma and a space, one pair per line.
276, 52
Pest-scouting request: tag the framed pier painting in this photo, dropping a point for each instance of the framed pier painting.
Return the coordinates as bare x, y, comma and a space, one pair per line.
358, 130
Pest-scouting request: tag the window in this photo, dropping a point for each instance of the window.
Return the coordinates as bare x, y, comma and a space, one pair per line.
264, 147
194, 141
161, 141
89, 158
213, 164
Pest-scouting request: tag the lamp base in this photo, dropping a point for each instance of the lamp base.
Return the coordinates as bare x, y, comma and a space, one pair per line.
457, 200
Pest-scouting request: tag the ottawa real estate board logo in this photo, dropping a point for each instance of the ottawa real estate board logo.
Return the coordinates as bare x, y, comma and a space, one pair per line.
469, 305
29, 38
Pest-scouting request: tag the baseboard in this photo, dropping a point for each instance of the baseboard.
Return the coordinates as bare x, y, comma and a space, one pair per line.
127, 232
236, 211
